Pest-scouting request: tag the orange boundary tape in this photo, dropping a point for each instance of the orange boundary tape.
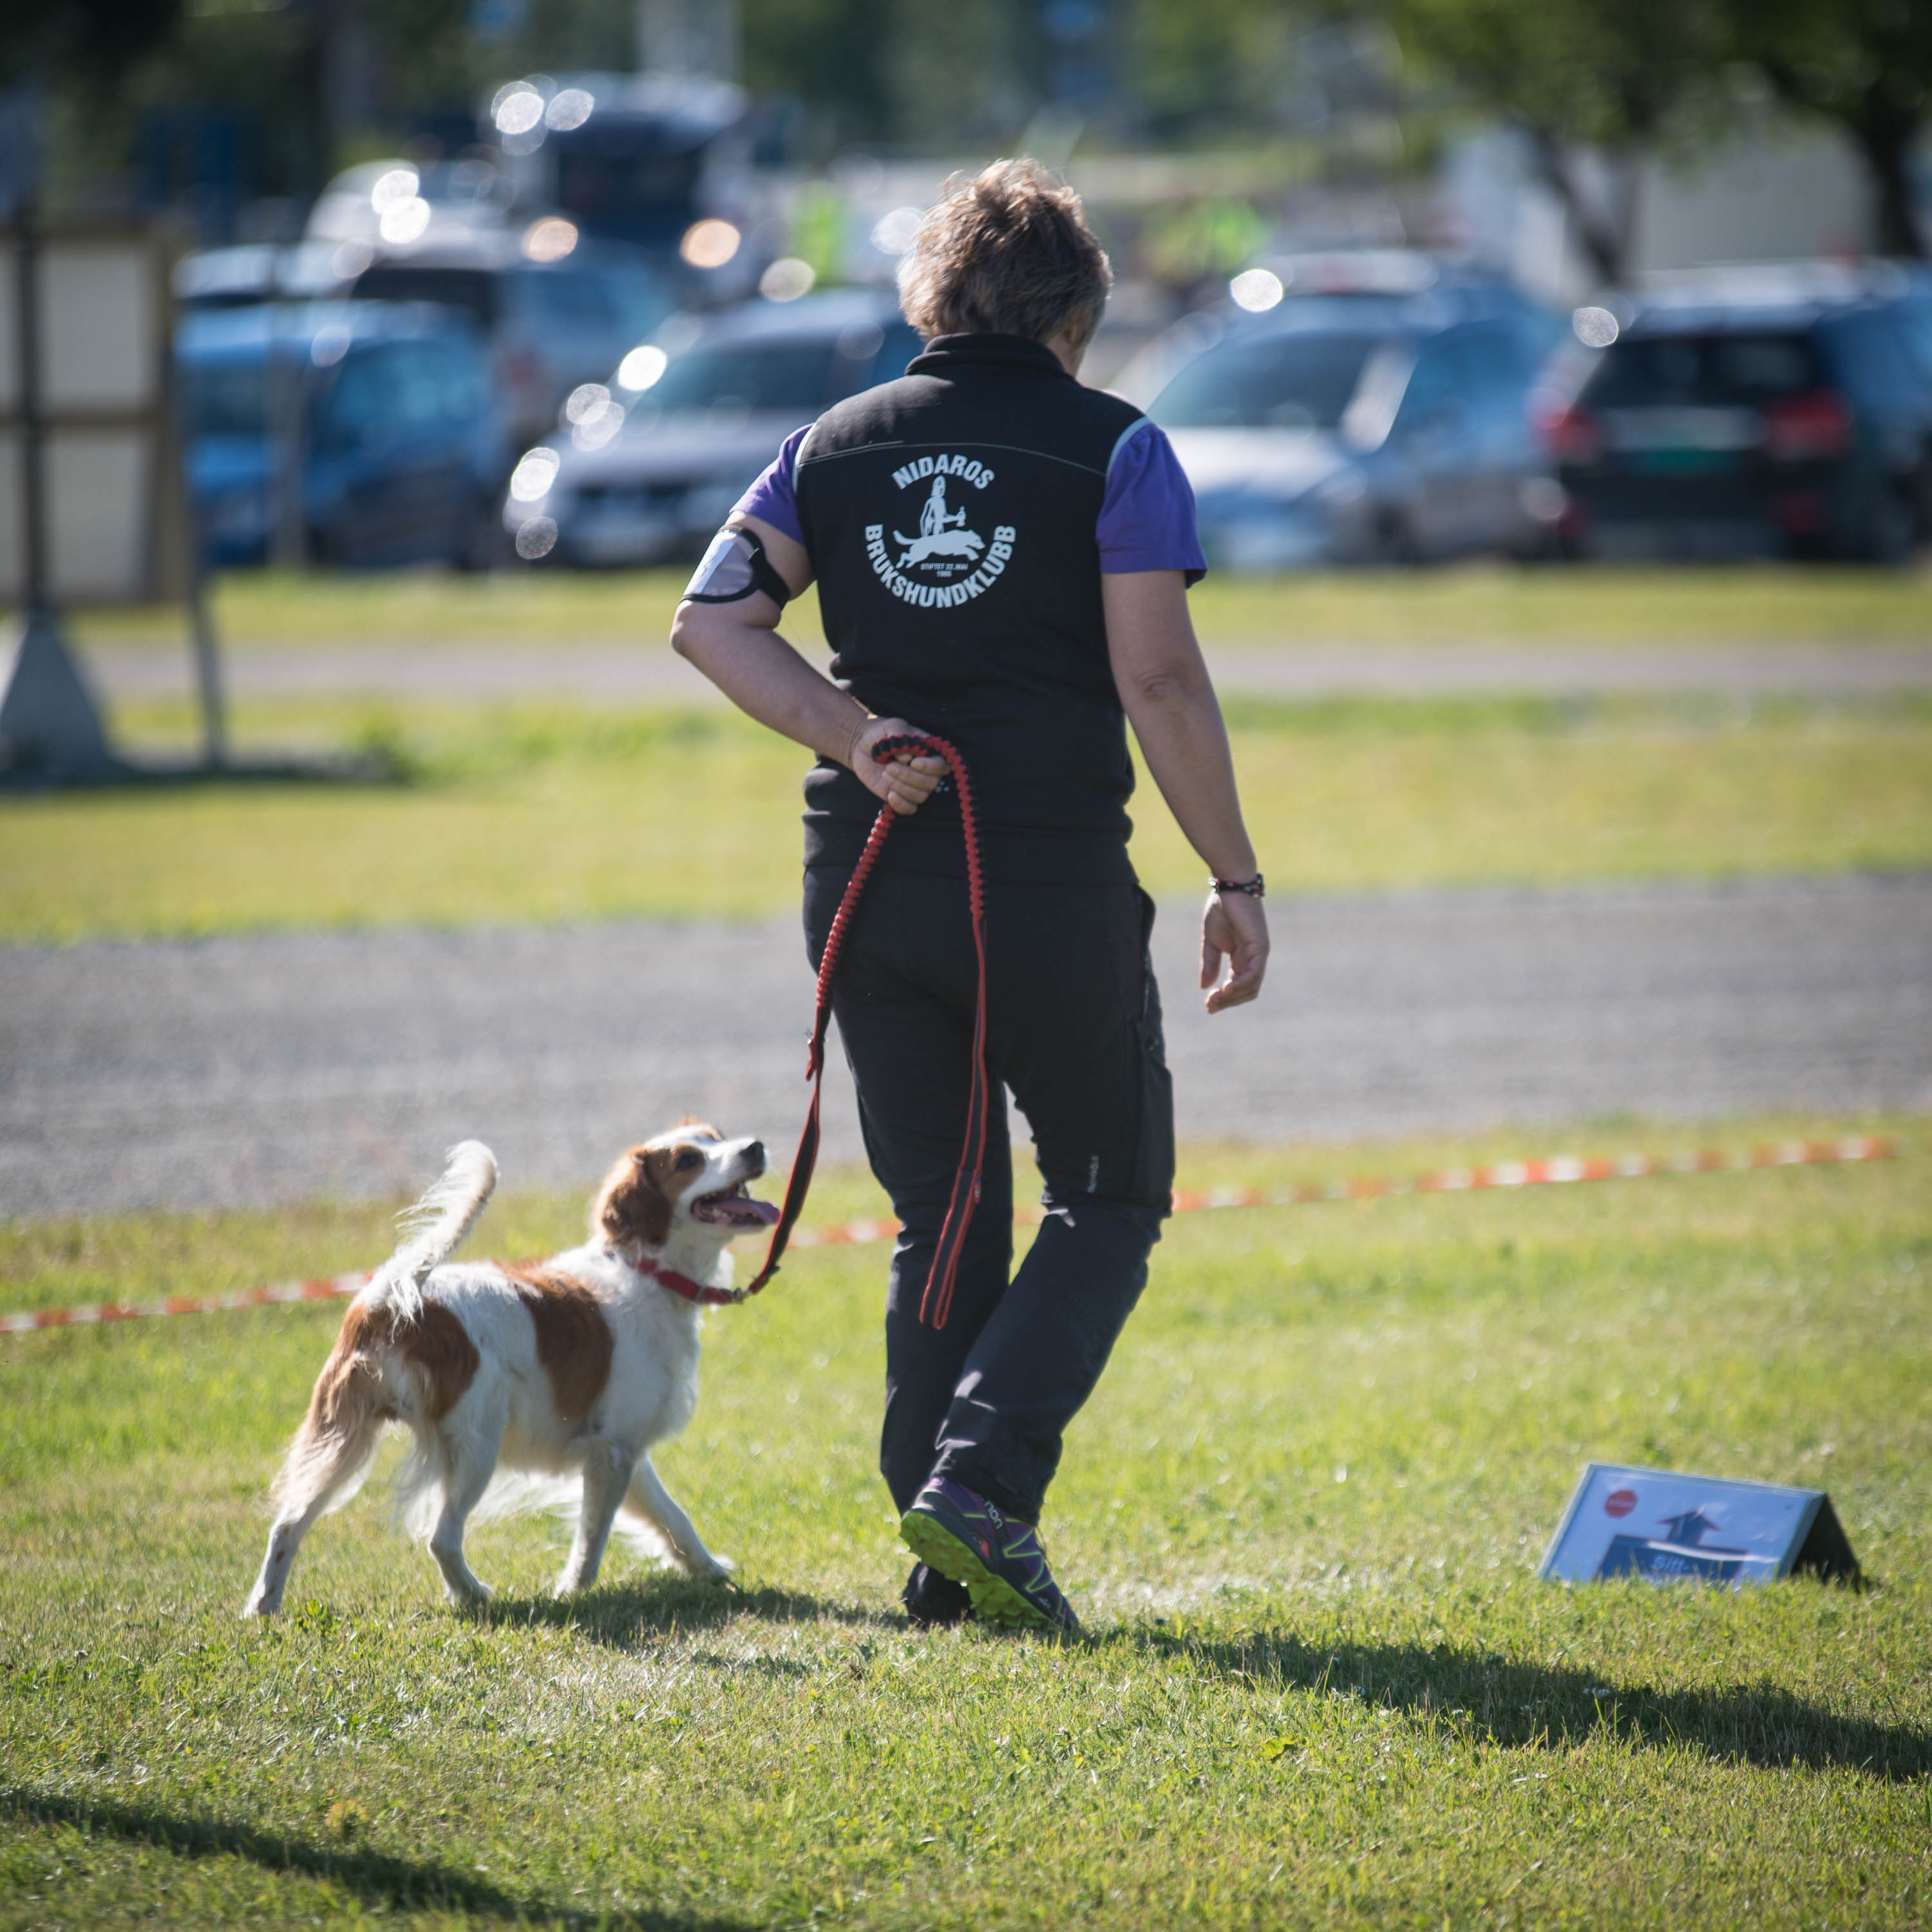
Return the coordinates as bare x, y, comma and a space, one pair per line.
1552, 1170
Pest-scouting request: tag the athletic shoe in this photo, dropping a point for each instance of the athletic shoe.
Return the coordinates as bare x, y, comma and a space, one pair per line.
933, 1602
961, 1534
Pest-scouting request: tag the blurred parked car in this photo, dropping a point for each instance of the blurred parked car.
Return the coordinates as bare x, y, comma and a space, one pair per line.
651, 461
1719, 426
253, 272
399, 201
399, 450
1363, 428
667, 164
556, 311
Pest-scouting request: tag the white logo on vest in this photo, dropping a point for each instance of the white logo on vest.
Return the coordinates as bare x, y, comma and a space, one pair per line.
954, 563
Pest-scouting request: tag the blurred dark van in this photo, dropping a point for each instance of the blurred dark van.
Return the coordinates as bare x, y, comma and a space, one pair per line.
370, 428
1797, 429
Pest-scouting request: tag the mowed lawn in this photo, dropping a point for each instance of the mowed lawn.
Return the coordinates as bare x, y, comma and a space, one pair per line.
1480, 603
521, 811
531, 811
1302, 1517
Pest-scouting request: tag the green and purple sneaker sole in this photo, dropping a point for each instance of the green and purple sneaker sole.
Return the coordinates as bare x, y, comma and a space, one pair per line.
959, 1534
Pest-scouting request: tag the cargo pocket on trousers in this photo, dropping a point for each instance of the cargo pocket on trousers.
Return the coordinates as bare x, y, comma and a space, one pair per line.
1153, 1181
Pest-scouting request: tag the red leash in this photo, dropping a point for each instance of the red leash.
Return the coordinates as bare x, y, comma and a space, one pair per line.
937, 1301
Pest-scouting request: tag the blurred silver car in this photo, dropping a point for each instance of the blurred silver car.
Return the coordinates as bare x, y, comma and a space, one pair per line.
1364, 429
552, 321
648, 464
258, 271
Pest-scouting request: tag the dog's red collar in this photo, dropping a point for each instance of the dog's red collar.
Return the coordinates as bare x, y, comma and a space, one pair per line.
684, 1287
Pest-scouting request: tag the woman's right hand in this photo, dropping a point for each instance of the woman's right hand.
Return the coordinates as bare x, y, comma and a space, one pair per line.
902, 781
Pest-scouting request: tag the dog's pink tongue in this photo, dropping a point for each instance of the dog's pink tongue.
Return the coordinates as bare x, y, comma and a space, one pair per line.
737, 1210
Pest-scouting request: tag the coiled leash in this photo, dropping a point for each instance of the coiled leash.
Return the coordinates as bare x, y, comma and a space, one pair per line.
937, 1301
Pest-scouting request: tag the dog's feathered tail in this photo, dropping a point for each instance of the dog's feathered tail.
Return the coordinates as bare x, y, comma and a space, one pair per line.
330, 1456
434, 1228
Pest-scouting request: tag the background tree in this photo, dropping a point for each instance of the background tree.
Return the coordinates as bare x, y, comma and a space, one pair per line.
1605, 74
92, 41
1865, 65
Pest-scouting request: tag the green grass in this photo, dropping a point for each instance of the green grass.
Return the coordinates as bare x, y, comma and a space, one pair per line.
1301, 1517
551, 812
1484, 603
1476, 604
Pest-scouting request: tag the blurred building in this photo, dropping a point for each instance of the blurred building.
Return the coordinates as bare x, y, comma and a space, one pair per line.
1784, 192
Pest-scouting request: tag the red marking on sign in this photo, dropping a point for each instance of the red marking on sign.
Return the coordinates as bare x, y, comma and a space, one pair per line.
1620, 1502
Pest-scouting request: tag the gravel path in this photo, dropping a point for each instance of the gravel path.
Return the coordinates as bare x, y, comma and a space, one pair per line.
247, 1070
641, 672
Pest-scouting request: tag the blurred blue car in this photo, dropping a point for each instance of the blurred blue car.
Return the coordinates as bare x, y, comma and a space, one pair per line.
372, 423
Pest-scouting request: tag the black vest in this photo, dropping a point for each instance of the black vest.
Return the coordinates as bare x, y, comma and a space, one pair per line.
949, 518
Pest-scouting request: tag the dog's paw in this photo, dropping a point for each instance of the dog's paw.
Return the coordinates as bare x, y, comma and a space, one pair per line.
471, 1596
711, 1569
257, 1607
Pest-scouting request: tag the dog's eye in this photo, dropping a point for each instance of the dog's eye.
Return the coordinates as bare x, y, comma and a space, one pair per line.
689, 1159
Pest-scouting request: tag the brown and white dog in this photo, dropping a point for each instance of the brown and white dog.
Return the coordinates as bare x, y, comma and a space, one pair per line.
528, 1375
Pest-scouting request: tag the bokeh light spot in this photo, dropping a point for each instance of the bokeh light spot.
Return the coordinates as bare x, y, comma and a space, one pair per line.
532, 477
892, 232
549, 240
708, 244
403, 222
598, 424
570, 108
519, 109
786, 279
1596, 328
398, 184
642, 367
1256, 290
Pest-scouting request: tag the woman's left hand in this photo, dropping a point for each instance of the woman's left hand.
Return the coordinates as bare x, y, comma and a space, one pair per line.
903, 781
1234, 928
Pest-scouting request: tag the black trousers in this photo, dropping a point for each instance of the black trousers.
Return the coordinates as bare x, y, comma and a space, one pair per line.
1074, 1030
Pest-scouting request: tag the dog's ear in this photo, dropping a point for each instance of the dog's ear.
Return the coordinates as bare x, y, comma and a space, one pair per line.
631, 1209
700, 1130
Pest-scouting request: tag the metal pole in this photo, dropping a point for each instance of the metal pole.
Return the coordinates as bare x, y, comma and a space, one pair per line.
286, 399
33, 424
207, 662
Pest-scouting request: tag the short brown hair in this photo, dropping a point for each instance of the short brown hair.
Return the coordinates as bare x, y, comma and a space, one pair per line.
1006, 252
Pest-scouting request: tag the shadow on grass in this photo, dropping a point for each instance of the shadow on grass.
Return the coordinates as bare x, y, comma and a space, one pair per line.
1491, 1699
379, 764
1488, 1698
626, 1614
1497, 1700
377, 1878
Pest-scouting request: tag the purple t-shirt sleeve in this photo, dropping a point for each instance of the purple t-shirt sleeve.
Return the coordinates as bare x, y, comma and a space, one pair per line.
1147, 516
771, 499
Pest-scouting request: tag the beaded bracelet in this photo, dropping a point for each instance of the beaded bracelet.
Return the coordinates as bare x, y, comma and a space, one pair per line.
1252, 887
